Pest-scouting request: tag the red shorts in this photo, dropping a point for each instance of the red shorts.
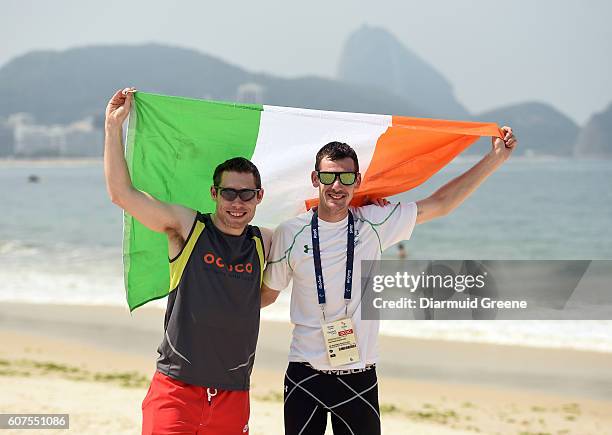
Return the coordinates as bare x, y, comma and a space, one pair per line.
174, 407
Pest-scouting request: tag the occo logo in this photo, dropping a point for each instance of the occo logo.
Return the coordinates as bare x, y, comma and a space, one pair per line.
210, 258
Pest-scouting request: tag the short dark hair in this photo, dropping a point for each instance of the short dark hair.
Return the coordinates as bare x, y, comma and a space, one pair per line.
336, 151
237, 164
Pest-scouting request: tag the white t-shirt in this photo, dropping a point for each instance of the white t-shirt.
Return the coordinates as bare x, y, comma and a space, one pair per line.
376, 228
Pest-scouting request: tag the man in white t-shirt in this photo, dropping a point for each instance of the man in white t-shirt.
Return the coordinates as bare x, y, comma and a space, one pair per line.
333, 351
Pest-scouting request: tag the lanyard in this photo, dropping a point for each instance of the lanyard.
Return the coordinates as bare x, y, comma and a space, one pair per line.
316, 251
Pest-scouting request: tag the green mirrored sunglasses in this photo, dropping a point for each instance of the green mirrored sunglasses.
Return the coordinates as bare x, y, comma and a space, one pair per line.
346, 178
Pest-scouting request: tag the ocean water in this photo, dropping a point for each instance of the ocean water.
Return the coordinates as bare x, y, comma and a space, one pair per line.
60, 239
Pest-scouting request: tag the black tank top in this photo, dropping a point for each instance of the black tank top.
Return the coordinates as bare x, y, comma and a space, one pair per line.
212, 319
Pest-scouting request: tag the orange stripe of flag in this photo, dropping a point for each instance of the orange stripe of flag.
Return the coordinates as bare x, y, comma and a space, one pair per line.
412, 150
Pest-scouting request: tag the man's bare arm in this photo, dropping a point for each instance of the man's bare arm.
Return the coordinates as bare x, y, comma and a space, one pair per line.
266, 235
268, 295
154, 214
452, 194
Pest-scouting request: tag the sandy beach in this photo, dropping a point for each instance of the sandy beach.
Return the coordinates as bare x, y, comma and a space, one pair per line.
95, 363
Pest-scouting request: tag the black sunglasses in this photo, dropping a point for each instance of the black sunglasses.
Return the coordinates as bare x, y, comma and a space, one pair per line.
346, 178
230, 194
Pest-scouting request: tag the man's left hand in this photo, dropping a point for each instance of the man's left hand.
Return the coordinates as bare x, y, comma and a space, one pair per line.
503, 147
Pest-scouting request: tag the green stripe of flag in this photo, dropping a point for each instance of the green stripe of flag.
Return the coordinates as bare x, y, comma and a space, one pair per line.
173, 147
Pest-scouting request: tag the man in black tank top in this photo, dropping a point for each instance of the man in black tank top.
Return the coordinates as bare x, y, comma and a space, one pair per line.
212, 318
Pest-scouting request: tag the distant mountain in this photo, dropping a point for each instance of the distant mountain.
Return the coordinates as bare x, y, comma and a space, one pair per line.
64, 86
374, 57
540, 128
595, 139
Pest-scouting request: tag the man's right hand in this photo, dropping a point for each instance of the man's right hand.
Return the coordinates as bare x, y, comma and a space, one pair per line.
173, 219
118, 108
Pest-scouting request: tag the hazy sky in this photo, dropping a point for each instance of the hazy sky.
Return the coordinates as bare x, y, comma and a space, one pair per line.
493, 52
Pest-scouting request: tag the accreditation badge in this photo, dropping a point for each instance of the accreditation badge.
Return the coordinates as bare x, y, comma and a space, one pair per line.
340, 342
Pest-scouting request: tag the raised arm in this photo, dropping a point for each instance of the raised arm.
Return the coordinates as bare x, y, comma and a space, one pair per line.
174, 220
452, 194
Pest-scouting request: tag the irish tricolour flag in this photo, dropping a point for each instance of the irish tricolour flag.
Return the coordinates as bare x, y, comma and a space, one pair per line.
175, 143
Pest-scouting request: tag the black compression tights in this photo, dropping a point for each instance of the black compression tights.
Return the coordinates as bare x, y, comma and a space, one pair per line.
351, 399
